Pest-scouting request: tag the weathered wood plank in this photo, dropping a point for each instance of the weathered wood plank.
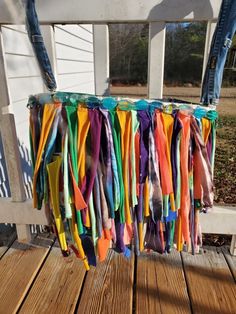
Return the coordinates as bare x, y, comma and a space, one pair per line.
231, 260
161, 286
6, 243
8, 133
221, 219
233, 245
211, 285
10, 142
18, 268
3, 249
21, 212
57, 287
109, 287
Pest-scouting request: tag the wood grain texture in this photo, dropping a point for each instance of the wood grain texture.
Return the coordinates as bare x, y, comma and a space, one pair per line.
21, 212
109, 287
161, 286
233, 245
9, 136
211, 285
57, 287
231, 260
18, 268
7, 243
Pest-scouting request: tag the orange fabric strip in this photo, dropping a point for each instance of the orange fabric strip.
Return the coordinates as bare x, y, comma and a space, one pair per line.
162, 148
103, 244
125, 125
185, 196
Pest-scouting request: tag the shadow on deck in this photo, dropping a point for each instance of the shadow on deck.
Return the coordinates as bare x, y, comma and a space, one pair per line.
35, 278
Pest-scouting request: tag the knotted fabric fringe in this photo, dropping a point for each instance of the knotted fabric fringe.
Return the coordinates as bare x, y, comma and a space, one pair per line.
115, 174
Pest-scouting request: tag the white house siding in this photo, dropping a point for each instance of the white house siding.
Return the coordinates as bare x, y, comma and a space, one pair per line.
75, 60
75, 70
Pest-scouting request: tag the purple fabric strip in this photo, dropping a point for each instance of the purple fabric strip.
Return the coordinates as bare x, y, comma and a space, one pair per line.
152, 237
139, 207
120, 237
176, 129
105, 156
95, 138
144, 127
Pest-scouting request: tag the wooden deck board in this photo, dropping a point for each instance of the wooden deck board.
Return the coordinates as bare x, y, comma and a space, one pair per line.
160, 286
231, 260
18, 268
109, 287
211, 285
58, 285
7, 245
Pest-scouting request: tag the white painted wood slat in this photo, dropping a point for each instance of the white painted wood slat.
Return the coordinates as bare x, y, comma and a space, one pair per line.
10, 144
104, 11
101, 59
156, 56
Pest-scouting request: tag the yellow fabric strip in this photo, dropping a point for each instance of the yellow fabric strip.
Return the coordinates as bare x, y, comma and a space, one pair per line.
49, 112
140, 232
53, 170
146, 198
206, 129
78, 241
125, 125
179, 234
83, 128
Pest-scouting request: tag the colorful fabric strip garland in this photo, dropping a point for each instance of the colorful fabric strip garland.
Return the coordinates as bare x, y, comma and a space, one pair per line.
117, 173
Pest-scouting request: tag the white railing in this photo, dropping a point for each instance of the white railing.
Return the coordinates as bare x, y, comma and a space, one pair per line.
18, 210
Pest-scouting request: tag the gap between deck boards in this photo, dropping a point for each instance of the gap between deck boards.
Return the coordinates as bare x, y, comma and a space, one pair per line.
41, 280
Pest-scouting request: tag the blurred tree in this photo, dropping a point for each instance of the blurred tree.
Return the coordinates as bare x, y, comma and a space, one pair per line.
128, 53
229, 77
183, 53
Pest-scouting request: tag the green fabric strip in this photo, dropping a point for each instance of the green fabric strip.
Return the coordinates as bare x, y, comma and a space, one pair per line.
66, 181
178, 181
166, 205
73, 135
117, 147
134, 128
93, 219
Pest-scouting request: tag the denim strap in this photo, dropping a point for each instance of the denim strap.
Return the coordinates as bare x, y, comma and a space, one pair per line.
221, 43
36, 39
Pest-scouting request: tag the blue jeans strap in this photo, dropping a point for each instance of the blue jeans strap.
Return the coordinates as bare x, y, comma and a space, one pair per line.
36, 39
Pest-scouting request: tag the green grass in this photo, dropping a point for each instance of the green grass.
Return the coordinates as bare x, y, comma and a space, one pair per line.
225, 165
